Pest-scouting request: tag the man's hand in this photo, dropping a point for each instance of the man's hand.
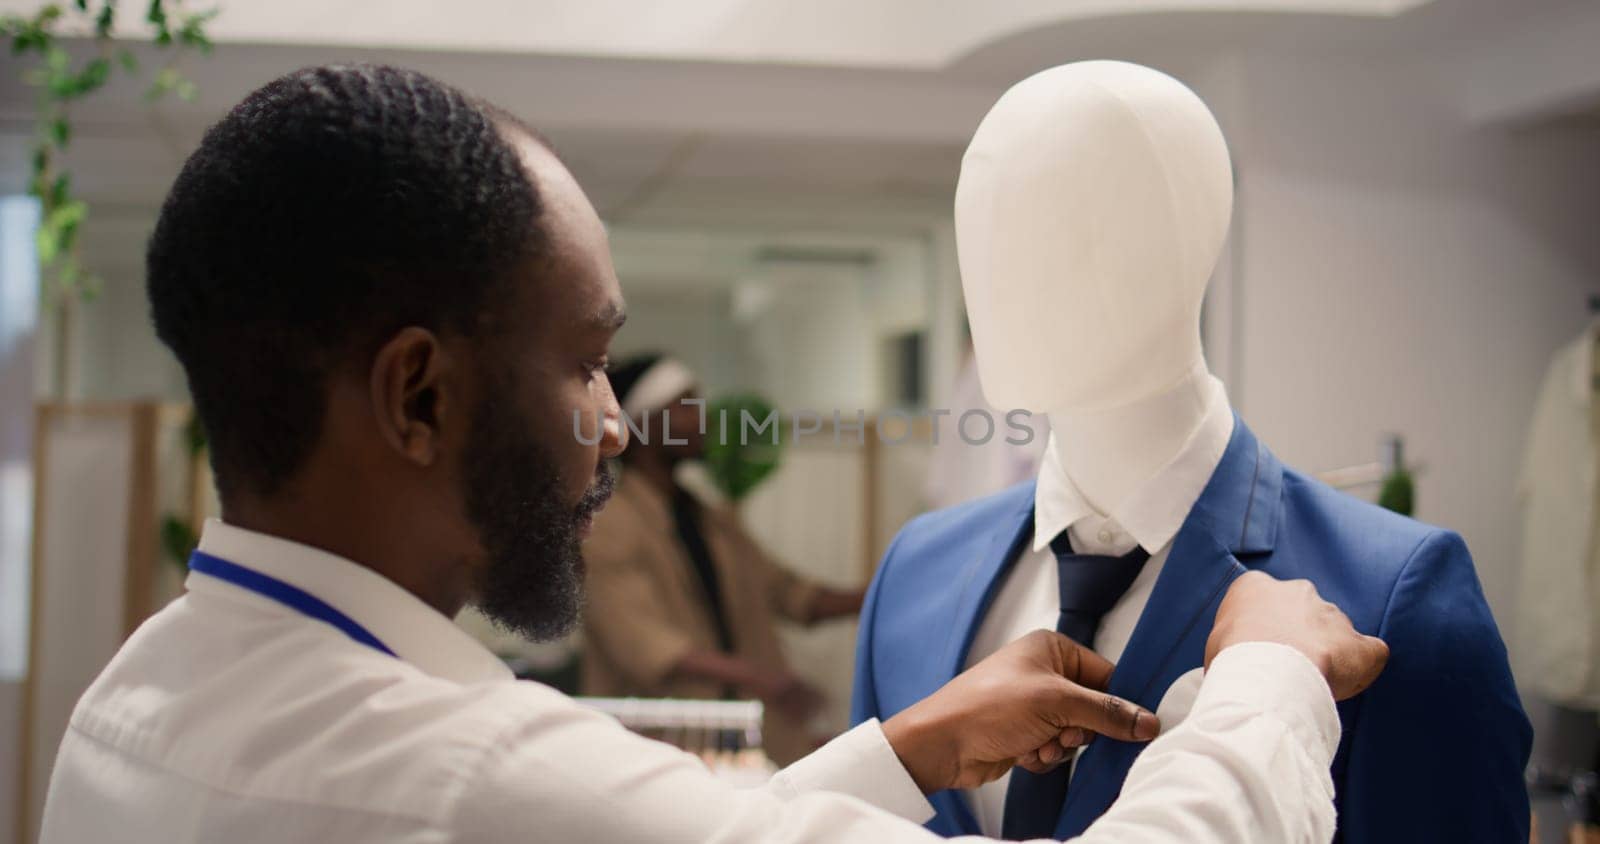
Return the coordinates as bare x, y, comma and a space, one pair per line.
1026, 704
1259, 608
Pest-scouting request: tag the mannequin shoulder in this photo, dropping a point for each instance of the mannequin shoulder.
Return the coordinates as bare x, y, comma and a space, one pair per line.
954, 532
1307, 498
1328, 530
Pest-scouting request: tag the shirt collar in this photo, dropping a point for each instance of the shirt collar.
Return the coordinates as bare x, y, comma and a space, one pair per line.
416, 632
1155, 511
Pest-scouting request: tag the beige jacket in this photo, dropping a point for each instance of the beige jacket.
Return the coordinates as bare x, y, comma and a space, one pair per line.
646, 608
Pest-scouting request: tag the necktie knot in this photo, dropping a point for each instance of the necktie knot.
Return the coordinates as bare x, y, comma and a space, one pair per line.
1091, 584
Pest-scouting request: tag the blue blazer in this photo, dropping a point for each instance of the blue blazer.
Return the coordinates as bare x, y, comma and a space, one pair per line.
1434, 751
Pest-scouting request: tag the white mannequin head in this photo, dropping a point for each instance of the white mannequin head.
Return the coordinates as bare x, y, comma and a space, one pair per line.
1093, 202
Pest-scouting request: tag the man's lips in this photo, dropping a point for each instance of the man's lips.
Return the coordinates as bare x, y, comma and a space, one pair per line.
594, 501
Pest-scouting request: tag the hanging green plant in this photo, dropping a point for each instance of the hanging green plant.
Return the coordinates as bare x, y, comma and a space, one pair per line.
61, 79
738, 467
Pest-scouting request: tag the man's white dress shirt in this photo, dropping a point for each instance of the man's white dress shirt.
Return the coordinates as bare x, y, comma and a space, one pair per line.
231, 717
1030, 597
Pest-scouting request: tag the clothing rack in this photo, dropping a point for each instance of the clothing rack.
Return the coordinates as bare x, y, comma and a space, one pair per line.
741, 716
1373, 473
1363, 474
725, 734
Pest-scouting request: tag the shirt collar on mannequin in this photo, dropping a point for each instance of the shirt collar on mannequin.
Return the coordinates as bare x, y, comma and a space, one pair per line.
1151, 516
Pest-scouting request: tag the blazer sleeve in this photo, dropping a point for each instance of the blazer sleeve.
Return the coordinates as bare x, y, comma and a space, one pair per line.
1440, 742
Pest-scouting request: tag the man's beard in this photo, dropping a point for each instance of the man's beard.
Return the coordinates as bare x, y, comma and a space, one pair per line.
532, 581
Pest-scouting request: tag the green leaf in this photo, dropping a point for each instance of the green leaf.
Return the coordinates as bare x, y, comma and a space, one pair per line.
67, 215
94, 75
194, 435
83, 5
60, 190
105, 20
193, 34
47, 244
63, 222
60, 81
186, 90
31, 35
738, 464
129, 62
61, 132
67, 274
178, 539
165, 81
156, 14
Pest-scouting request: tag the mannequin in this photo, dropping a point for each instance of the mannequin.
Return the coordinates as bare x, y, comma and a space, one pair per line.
1093, 203
1100, 191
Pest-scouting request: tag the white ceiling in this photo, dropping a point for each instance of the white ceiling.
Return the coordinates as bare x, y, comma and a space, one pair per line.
770, 143
910, 34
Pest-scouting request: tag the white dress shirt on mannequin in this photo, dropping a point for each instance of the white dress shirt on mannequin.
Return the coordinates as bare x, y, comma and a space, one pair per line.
1030, 598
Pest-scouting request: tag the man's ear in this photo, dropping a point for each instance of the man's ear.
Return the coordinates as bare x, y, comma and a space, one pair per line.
410, 393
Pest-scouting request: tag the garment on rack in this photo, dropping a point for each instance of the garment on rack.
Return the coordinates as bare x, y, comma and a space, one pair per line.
1434, 751
1557, 615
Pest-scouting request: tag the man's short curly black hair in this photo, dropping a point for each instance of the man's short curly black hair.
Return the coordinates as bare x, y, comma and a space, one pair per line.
329, 209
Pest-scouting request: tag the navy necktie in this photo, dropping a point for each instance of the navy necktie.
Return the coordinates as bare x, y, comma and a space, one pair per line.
1090, 587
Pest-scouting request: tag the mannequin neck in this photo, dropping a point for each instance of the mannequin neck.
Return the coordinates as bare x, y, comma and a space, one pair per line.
1110, 452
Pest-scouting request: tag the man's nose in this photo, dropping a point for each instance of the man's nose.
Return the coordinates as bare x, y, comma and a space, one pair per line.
613, 435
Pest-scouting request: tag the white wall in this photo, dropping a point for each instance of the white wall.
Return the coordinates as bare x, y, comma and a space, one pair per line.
1404, 271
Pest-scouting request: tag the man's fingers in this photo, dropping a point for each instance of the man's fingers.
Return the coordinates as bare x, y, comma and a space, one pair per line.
1081, 665
1034, 766
1376, 657
1056, 753
1380, 653
1108, 715
1074, 737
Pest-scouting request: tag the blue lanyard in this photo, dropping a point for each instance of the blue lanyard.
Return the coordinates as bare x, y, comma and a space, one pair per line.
290, 596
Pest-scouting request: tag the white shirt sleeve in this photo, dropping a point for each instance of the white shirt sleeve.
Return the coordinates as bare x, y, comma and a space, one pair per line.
1250, 763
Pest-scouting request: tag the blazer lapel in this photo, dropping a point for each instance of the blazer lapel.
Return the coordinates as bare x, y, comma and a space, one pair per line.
981, 577
1235, 516
1169, 640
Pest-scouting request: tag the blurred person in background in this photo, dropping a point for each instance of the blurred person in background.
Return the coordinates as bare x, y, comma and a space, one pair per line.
681, 599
